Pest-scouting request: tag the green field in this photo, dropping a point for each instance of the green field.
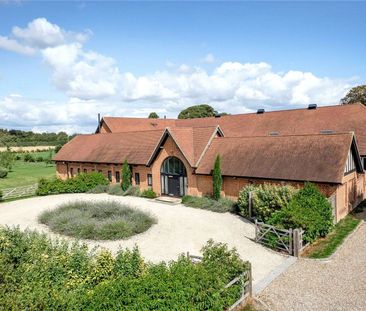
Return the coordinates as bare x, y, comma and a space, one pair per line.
24, 173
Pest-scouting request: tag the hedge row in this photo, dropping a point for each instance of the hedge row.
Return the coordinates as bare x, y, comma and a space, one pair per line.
80, 183
37, 274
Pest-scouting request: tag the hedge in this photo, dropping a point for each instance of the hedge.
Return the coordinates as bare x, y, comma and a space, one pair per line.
310, 210
80, 183
266, 200
39, 274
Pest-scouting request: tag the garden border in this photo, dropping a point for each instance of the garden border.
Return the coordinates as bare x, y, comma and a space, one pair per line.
338, 248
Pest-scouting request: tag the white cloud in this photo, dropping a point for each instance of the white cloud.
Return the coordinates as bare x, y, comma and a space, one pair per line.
82, 74
209, 58
94, 83
40, 33
14, 46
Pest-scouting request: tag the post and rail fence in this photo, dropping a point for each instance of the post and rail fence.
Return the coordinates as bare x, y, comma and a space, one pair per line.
19, 192
245, 279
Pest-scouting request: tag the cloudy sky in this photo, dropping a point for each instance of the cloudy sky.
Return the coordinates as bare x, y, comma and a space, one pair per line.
62, 63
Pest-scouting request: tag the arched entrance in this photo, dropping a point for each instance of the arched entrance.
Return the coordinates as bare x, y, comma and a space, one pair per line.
173, 176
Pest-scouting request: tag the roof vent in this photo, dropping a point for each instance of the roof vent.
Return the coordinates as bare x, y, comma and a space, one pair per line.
260, 111
326, 132
312, 106
274, 133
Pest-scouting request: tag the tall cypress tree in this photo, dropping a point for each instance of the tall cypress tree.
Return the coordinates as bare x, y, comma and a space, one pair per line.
217, 178
126, 176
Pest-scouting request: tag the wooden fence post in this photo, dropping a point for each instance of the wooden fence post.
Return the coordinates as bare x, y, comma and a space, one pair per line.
250, 199
250, 279
297, 242
256, 230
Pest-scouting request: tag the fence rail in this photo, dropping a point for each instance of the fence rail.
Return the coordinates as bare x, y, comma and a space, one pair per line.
289, 241
19, 192
245, 279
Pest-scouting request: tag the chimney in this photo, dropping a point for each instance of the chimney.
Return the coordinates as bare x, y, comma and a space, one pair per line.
99, 123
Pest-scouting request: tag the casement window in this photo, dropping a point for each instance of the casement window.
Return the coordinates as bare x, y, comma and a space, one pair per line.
110, 176
137, 179
78, 170
118, 177
71, 171
149, 180
85, 170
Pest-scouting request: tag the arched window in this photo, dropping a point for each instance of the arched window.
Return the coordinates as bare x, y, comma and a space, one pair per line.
173, 177
174, 166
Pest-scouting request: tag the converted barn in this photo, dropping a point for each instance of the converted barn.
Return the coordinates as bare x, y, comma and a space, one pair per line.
175, 157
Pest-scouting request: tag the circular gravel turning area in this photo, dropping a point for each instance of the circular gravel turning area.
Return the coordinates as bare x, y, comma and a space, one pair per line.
179, 229
101, 220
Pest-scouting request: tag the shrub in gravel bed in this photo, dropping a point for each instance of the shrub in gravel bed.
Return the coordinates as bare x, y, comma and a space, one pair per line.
148, 193
220, 206
99, 189
104, 220
115, 190
37, 273
133, 191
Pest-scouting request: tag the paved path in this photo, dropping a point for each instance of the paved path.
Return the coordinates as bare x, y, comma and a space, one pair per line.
179, 229
339, 284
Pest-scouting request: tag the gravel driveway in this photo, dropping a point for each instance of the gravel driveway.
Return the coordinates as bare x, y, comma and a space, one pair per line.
179, 229
339, 284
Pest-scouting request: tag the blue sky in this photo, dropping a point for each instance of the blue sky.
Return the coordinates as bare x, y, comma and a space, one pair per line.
62, 63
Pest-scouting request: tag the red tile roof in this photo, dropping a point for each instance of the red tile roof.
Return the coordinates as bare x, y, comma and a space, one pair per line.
317, 158
136, 147
344, 118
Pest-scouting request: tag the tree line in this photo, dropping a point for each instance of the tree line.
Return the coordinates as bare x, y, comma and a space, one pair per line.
28, 138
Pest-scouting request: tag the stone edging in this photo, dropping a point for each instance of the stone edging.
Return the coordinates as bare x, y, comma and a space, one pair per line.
330, 258
259, 286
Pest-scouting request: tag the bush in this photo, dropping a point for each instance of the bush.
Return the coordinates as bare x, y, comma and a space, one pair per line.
78, 184
3, 172
223, 205
266, 200
105, 220
133, 191
1, 195
39, 274
28, 158
39, 159
310, 210
115, 190
99, 189
148, 193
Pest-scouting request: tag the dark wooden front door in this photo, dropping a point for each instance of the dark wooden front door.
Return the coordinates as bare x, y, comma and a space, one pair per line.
173, 185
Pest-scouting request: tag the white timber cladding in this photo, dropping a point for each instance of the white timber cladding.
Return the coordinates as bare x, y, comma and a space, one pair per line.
350, 164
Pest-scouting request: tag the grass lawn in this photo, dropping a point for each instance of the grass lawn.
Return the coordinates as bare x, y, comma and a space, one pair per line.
104, 220
325, 247
24, 173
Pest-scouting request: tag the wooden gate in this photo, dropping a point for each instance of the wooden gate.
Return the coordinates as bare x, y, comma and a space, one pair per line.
285, 240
